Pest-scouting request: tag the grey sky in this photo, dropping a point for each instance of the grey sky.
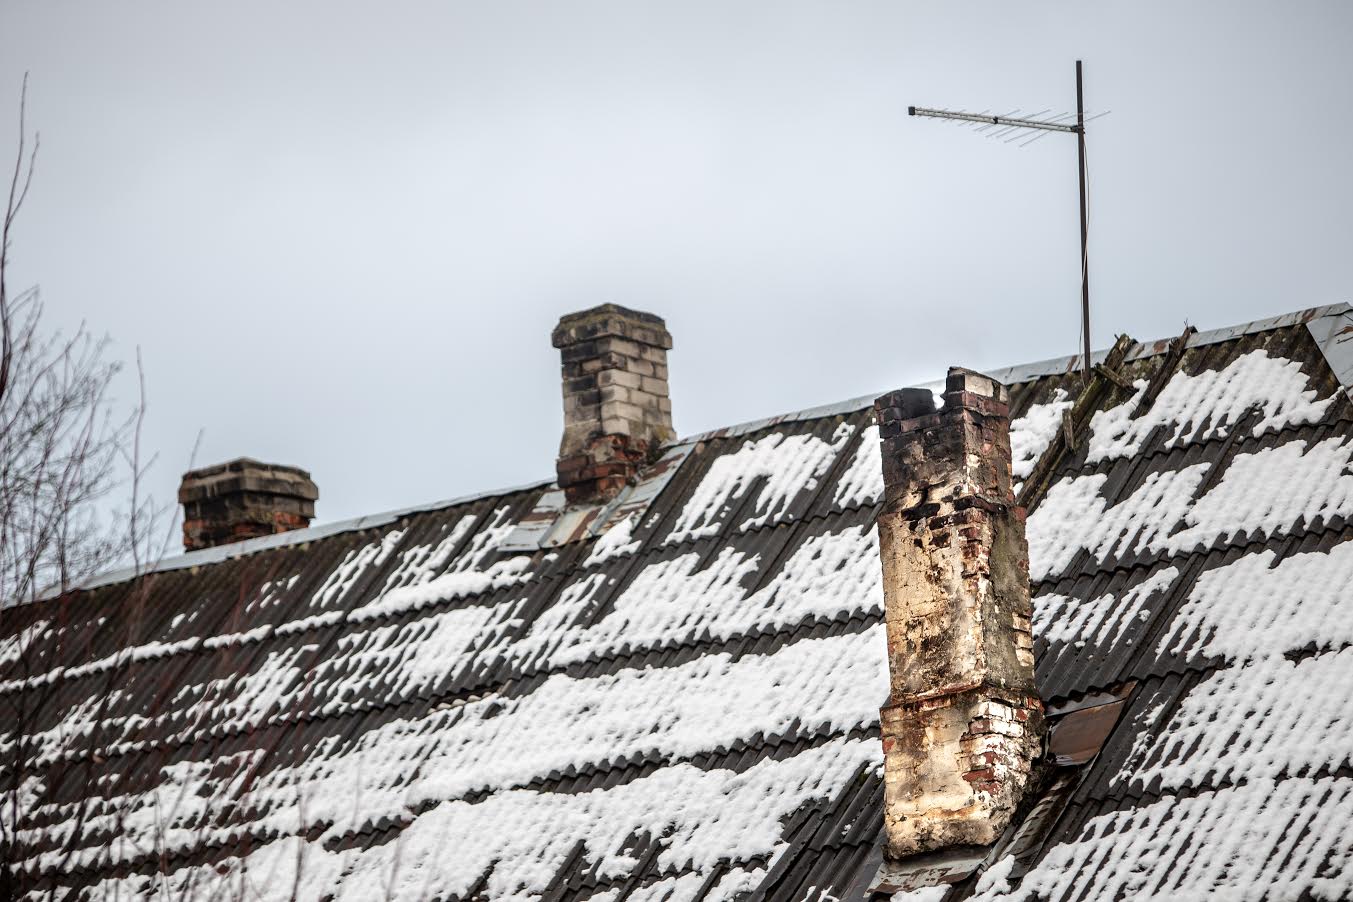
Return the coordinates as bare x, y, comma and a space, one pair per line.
341, 232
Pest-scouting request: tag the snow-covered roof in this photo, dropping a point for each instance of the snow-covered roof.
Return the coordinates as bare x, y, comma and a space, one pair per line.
686, 707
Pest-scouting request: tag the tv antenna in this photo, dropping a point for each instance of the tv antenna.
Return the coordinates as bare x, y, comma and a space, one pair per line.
1011, 128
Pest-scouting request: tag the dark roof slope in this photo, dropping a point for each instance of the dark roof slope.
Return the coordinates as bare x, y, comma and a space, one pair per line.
433, 705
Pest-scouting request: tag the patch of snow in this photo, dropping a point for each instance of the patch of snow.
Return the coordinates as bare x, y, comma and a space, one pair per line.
673, 601
354, 564
1240, 843
1203, 406
12, 648
1270, 491
862, 483
1267, 491
1031, 434
705, 817
1073, 517
830, 685
1261, 719
789, 465
615, 542
1265, 715
1099, 621
1250, 608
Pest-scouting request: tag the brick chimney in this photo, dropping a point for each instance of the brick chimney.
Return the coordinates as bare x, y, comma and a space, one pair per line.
243, 499
963, 726
616, 408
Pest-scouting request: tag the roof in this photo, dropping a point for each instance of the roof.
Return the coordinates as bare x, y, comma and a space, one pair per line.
445, 703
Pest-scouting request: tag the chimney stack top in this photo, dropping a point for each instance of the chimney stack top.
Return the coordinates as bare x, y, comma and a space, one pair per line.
243, 499
617, 412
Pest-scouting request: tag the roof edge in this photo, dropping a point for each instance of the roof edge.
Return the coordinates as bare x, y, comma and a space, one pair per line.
281, 540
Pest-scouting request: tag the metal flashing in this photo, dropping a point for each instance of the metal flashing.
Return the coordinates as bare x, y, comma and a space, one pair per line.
554, 522
1333, 334
945, 866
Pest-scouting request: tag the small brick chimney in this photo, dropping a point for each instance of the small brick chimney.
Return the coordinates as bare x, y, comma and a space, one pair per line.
242, 499
616, 409
963, 727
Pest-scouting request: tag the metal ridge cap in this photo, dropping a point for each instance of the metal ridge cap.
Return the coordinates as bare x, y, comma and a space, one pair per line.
1056, 366
811, 413
278, 540
1025, 372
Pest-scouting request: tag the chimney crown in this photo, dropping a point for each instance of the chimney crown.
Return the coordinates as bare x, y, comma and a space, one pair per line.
243, 499
962, 729
617, 412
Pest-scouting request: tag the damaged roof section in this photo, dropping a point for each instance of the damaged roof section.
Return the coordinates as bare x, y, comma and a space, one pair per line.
682, 701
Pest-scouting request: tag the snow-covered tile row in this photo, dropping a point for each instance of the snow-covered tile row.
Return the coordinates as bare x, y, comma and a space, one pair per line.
1265, 840
673, 601
1099, 622
524, 837
427, 574
789, 464
1265, 715
827, 685
1260, 719
618, 541
1254, 608
1200, 407
1073, 516
1268, 491
354, 564
12, 648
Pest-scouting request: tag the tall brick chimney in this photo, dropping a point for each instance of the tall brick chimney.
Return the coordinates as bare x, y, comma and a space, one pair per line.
242, 499
963, 726
616, 409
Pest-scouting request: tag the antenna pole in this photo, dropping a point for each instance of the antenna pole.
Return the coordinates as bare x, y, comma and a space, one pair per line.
1001, 127
1085, 257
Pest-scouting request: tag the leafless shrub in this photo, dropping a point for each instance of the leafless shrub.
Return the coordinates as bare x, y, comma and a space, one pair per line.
66, 445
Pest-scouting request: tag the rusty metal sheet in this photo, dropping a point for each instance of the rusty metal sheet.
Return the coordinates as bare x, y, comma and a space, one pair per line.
1077, 737
531, 531
634, 501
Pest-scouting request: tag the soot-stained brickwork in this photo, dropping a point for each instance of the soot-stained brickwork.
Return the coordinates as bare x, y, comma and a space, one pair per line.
617, 409
244, 499
962, 730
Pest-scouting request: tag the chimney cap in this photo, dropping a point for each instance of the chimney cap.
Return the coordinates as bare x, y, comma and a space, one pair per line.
245, 474
611, 320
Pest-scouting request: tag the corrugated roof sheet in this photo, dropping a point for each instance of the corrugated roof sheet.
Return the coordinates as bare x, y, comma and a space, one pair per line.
421, 706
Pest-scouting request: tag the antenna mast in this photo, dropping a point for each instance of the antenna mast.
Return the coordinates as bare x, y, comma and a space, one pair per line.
1000, 126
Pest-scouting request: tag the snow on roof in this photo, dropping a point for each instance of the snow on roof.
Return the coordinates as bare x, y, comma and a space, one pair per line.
686, 707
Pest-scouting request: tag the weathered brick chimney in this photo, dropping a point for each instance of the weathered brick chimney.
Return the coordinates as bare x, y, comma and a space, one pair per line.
616, 409
963, 727
242, 499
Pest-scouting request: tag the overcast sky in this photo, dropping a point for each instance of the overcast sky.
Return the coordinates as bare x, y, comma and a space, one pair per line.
341, 232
